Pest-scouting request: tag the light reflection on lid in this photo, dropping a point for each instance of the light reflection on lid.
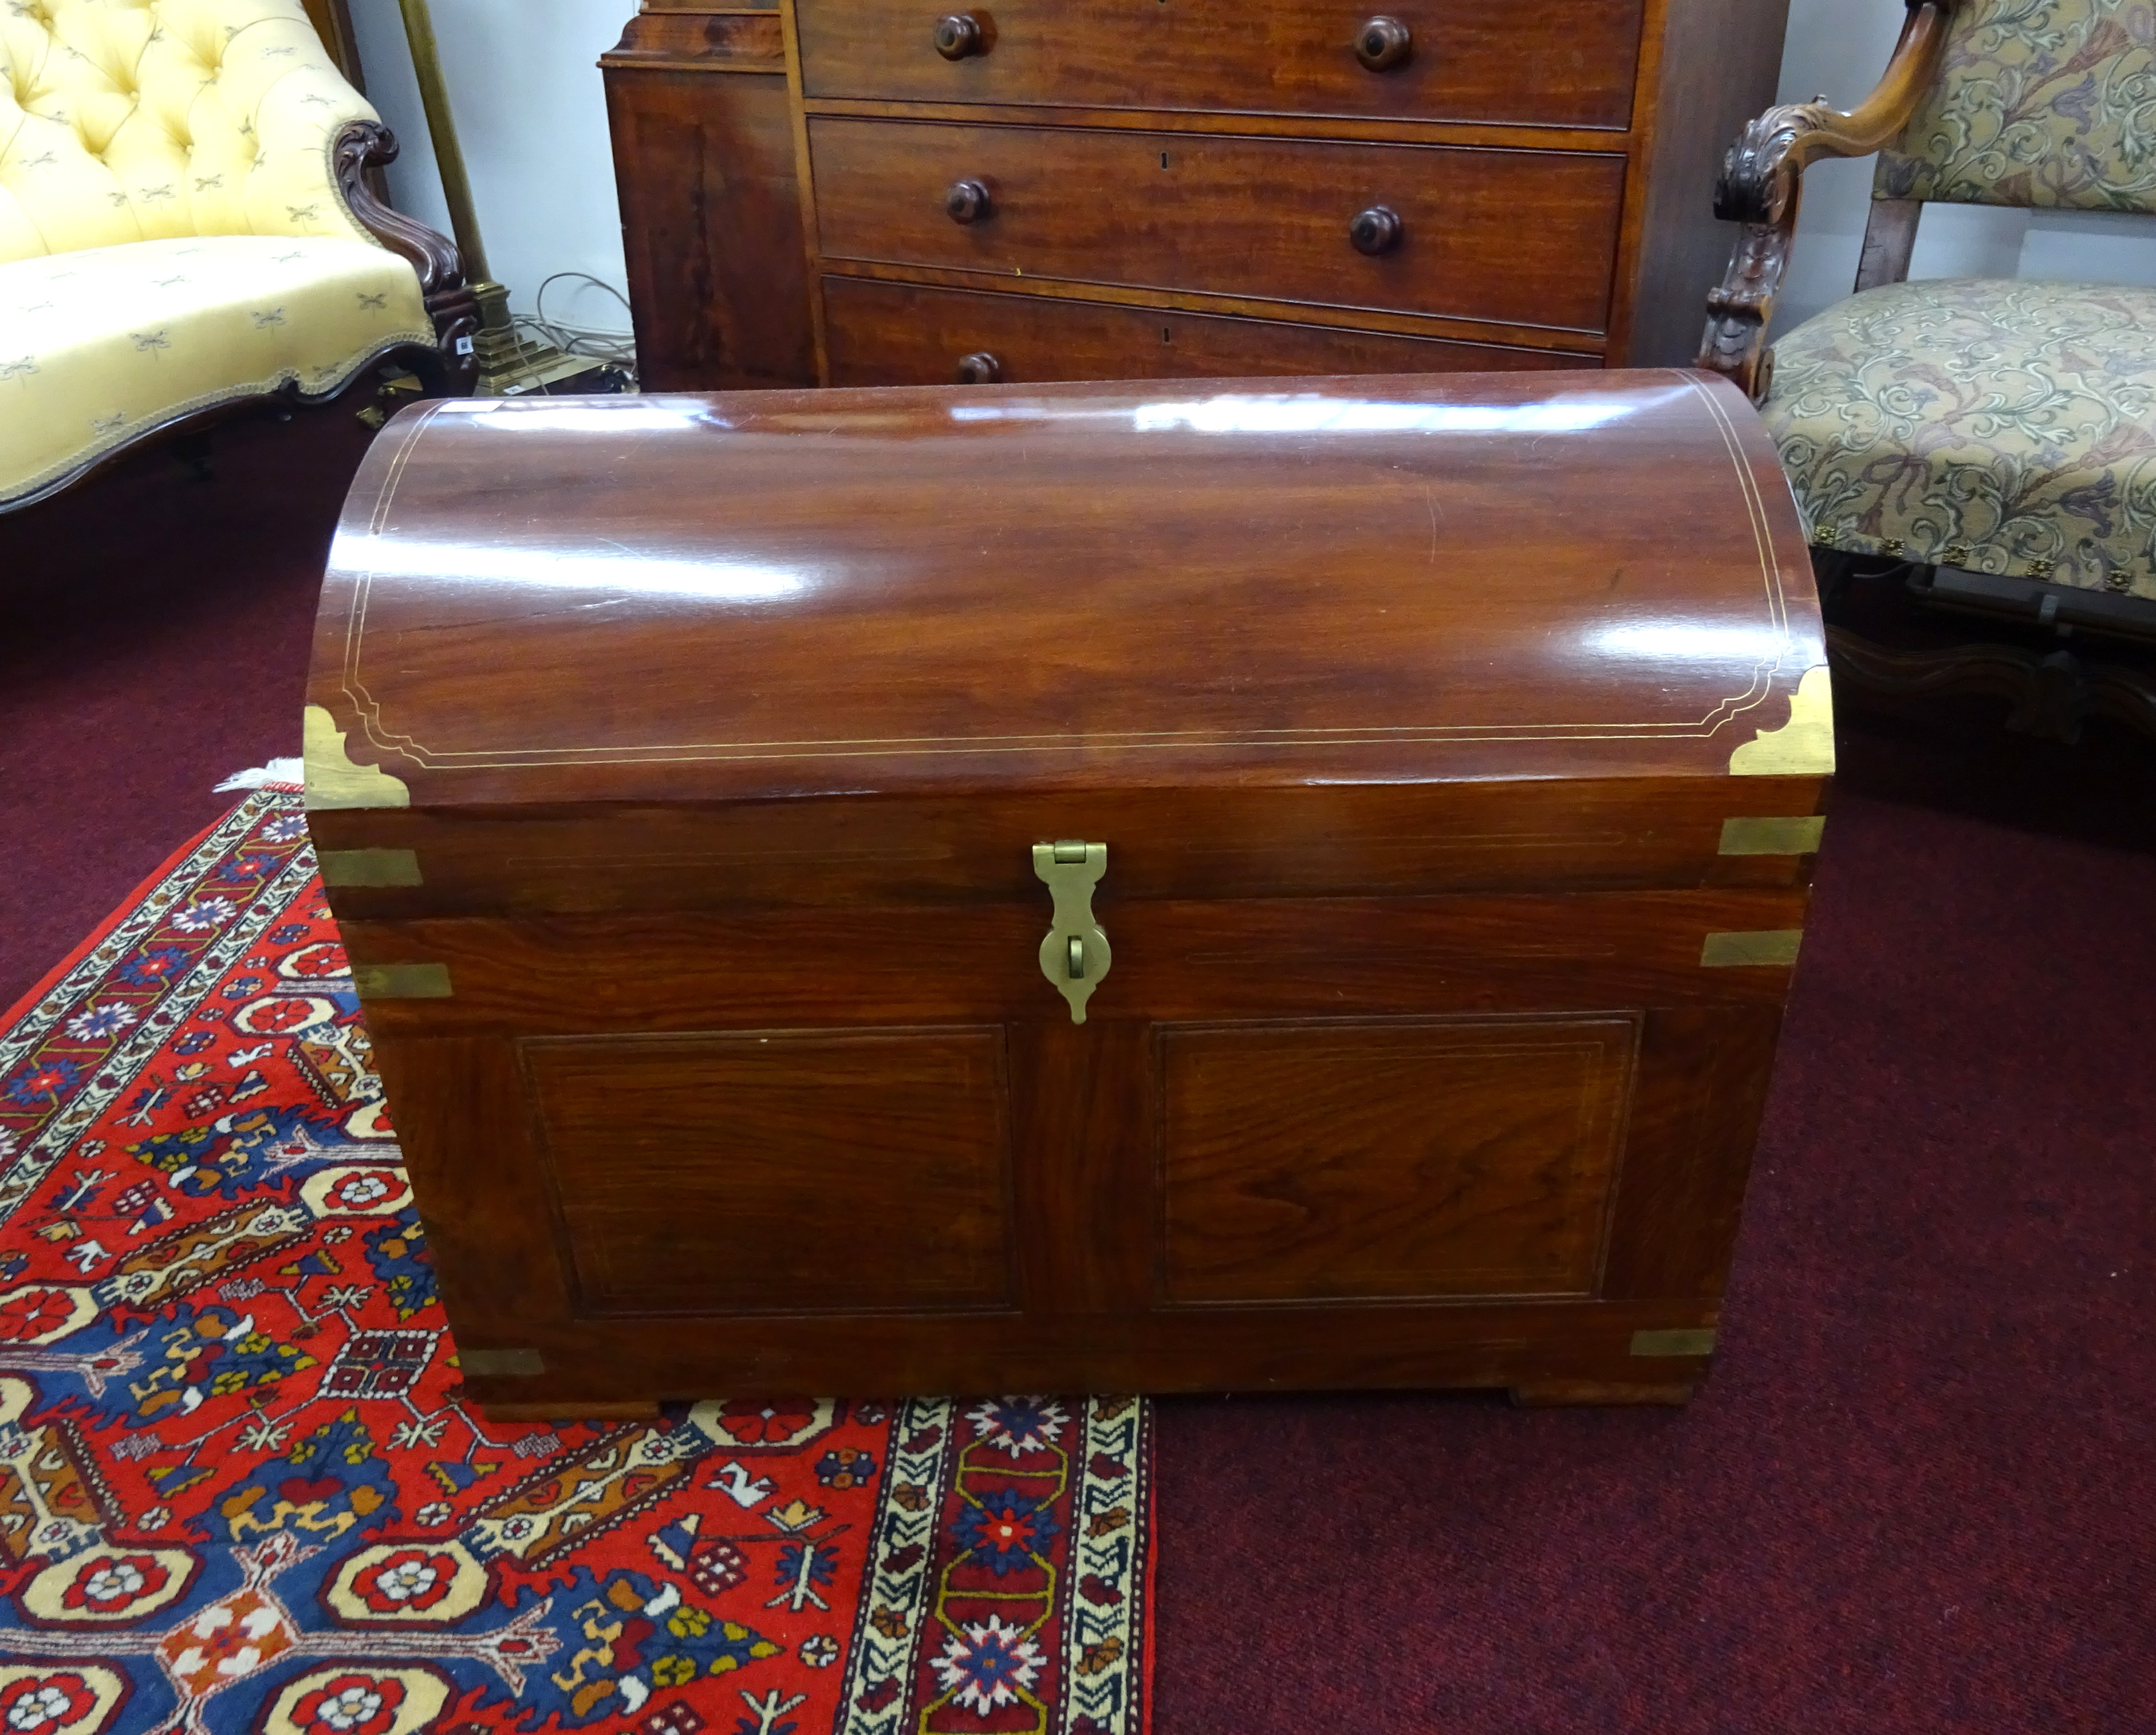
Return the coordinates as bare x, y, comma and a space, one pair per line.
1311, 414
620, 570
626, 415
1315, 412
1691, 641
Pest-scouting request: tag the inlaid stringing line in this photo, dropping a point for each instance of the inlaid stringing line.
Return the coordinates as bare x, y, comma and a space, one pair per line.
356, 628
368, 709
1755, 504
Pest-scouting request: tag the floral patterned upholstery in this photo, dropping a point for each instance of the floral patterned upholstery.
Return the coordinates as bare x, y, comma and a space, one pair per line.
2046, 103
2002, 427
129, 129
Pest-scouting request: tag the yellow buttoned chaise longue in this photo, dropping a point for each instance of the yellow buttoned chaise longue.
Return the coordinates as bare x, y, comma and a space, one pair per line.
185, 231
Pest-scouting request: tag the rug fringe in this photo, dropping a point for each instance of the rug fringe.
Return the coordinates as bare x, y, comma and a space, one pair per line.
288, 774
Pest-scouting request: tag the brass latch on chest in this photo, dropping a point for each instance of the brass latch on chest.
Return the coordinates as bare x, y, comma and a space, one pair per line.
1074, 956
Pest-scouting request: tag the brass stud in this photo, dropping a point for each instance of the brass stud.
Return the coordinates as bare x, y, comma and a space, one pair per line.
1682, 1340
1769, 948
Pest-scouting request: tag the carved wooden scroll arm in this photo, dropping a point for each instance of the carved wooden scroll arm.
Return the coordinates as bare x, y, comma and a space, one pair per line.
367, 144
1761, 177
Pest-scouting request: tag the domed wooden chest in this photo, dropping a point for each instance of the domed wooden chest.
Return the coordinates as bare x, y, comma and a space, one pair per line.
1102, 887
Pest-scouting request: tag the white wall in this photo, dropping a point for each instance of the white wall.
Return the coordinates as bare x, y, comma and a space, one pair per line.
1838, 48
531, 114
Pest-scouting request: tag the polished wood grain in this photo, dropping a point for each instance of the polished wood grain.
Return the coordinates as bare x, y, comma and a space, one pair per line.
759, 1144
1564, 62
469, 1143
491, 1232
1082, 1097
711, 224
1584, 349
761, 595
1389, 839
701, 41
1261, 957
729, 725
1264, 217
1703, 1087
1228, 124
1251, 1349
1656, 86
889, 334
1344, 1161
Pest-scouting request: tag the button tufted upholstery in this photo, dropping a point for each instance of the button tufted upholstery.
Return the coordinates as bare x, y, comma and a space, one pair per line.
130, 122
133, 120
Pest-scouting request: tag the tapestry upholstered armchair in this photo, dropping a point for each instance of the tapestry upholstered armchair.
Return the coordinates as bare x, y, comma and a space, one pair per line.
1986, 447
185, 227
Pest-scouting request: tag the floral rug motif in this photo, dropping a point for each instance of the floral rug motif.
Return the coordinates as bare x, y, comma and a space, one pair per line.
238, 1492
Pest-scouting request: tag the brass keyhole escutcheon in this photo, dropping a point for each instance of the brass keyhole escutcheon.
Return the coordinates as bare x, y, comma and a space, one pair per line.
1074, 955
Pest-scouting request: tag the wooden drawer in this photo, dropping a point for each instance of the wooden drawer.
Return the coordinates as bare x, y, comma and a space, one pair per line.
1524, 236
896, 334
1565, 62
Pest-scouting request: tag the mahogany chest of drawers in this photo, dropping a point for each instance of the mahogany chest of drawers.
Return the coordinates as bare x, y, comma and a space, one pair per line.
881, 192
1075, 888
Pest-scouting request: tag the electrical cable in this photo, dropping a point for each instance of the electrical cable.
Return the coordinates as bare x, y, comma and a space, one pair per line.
614, 349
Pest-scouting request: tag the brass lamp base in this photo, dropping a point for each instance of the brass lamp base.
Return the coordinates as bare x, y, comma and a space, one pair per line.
510, 364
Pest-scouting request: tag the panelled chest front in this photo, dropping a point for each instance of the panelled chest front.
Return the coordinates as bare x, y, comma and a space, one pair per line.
874, 192
1082, 888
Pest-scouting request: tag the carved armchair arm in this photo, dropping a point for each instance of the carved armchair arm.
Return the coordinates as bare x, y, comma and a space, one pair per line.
361, 145
1762, 179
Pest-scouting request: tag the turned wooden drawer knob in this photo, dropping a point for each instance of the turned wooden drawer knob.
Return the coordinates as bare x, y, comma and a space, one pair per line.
979, 369
1376, 230
1383, 43
959, 35
968, 201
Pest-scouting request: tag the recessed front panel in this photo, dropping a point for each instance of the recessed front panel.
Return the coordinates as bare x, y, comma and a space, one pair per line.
1389, 1159
808, 1172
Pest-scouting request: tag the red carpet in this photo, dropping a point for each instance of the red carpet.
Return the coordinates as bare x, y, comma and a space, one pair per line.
238, 1492
1919, 1493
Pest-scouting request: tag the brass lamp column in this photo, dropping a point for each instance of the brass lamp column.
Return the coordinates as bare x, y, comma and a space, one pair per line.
508, 363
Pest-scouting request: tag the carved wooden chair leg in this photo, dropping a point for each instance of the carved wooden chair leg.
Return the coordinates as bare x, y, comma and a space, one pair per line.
2050, 695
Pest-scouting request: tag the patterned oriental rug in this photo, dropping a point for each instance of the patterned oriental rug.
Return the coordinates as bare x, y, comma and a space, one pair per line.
238, 1492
